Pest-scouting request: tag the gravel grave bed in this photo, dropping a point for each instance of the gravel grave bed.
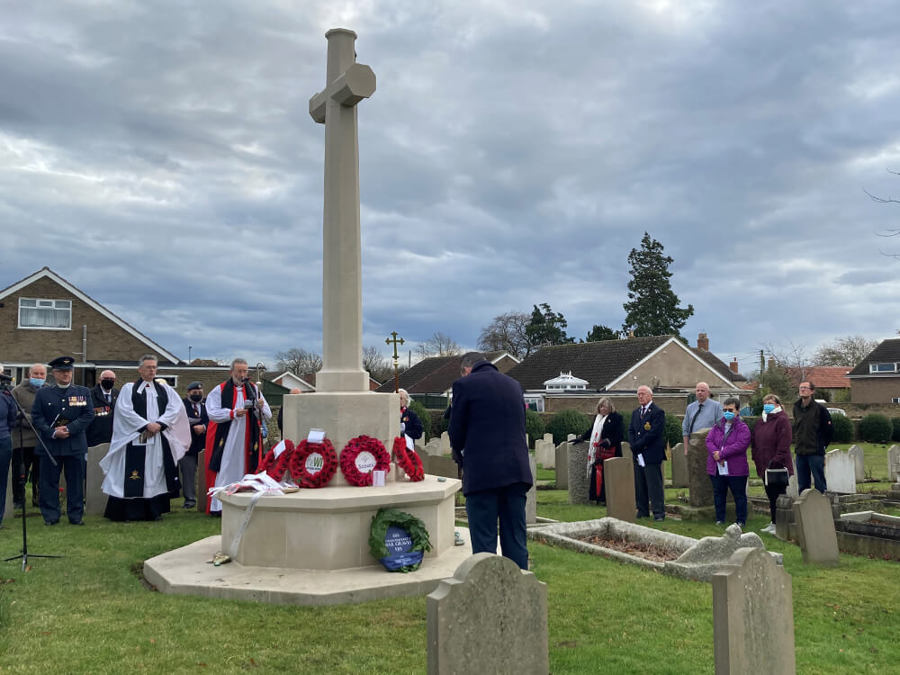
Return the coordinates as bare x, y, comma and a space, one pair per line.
650, 552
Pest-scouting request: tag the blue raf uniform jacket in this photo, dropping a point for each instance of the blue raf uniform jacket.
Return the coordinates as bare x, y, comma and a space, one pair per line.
648, 436
71, 408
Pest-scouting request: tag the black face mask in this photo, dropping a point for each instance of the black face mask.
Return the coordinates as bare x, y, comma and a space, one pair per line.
107, 384
196, 397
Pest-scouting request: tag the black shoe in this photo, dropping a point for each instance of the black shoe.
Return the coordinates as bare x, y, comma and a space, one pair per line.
659, 518
190, 505
51, 522
76, 522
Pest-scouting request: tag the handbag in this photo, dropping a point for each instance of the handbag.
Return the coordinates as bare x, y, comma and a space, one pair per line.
776, 477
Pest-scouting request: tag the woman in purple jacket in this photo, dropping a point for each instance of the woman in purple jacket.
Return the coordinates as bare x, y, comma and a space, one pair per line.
771, 449
726, 464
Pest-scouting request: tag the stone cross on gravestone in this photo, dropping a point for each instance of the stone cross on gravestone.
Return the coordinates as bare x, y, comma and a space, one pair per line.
347, 83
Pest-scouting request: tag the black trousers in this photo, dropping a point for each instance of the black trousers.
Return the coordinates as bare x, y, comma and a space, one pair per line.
648, 487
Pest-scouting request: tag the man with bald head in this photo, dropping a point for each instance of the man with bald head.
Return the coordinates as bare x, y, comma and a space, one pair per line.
702, 413
646, 435
103, 400
23, 438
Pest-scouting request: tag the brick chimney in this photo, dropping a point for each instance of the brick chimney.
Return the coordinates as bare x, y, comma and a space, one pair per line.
733, 365
703, 342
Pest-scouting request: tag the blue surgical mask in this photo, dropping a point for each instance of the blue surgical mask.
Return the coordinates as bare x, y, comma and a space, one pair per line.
768, 407
729, 415
36, 381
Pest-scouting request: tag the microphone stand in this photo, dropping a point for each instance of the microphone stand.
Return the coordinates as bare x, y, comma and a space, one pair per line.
25, 555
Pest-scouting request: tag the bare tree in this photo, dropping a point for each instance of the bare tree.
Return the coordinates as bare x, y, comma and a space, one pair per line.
438, 345
298, 361
792, 358
844, 351
378, 366
507, 333
889, 232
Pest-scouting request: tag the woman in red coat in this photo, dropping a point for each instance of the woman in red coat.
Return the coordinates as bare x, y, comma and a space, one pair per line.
771, 449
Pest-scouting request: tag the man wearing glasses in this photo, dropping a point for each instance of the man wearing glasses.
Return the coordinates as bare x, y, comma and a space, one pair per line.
812, 434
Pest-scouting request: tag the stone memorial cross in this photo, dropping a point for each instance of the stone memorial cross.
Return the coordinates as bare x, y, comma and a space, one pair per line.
347, 83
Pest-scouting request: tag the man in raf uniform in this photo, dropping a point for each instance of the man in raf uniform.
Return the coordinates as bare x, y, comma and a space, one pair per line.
198, 419
61, 414
103, 400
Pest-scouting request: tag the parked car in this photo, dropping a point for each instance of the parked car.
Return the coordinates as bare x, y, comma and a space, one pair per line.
837, 411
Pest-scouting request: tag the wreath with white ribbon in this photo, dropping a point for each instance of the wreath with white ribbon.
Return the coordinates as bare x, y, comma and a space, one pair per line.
360, 457
313, 465
275, 462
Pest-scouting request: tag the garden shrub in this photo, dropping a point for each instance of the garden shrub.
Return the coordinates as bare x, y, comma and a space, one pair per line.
424, 417
843, 429
673, 430
876, 428
567, 422
896, 435
534, 426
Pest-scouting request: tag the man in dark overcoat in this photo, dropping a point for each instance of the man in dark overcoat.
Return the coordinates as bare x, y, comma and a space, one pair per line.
487, 428
647, 437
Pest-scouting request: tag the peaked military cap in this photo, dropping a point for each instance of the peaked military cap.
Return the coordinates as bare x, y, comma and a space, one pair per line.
62, 363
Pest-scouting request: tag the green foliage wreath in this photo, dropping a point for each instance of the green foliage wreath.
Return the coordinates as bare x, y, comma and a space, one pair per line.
387, 517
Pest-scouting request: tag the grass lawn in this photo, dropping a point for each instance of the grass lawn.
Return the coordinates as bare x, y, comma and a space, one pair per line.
90, 611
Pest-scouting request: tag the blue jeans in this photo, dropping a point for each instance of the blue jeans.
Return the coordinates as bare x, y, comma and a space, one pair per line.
807, 464
5, 459
738, 487
507, 504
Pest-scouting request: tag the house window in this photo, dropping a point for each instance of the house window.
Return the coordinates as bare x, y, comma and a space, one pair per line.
45, 314
882, 367
895, 400
171, 380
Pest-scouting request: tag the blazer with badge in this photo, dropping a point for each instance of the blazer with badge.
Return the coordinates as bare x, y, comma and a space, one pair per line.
55, 407
198, 441
647, 435
100, 429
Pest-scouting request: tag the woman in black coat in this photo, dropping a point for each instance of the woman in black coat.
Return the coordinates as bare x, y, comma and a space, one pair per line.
605, 439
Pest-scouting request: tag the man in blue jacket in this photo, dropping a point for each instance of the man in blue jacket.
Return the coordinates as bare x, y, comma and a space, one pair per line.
61, 414
646, 435
487, 428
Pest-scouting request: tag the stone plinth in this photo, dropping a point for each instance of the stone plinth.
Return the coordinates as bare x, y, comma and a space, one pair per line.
328, 528
343, 416
753, 615
94, 499
490, 617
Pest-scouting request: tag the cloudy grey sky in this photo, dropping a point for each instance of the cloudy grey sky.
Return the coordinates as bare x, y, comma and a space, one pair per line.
160, 156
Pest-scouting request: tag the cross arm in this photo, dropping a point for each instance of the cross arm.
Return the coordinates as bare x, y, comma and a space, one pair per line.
357, 83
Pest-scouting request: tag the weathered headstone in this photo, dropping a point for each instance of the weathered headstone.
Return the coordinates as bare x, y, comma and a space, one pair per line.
679, 467
893, 459
840, 472
793, 491
701, 492
545, 453
548, 437
579, 482
490, 617
753, 615
815, 528
531, 495
94, 499
562, 465
445, 443
572, 438
434, 447
618, 477
436, 465
859, 463
626, 450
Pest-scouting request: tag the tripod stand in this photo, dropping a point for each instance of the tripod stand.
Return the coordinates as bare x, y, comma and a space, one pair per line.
25, 555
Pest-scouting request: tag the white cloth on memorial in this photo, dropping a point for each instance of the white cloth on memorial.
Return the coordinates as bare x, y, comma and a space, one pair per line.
126, 429
595, 441
232, 467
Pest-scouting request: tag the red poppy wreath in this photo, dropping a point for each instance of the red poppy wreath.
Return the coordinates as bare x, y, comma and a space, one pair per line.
360, 457
276, 466
313, 465
408, 460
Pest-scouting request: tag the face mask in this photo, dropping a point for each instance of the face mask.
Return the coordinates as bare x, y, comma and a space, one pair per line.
36, 381
768, 407
107, 384
729, 415
196, 397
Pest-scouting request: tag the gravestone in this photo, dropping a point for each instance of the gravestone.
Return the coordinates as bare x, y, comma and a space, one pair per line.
753, 615
531, 495
701, 492
840, 472
445, 443
618, 476
579, 482
784, 517
679, 467
201, 481
793, 491
859, 463
490, 617
893, 459
548, 437
94, 499
545, 453
571, 438
440, 466
434, 447
562, 465
626, 450
815, 528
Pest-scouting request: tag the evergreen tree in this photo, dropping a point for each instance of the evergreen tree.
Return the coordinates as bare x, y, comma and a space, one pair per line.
547, 327
601, 333
652, 307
